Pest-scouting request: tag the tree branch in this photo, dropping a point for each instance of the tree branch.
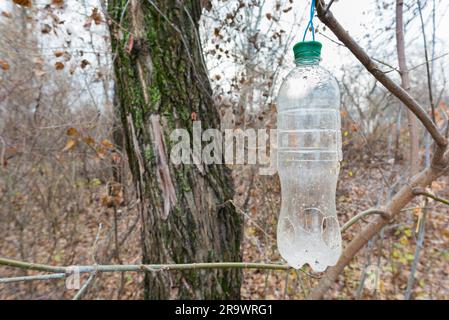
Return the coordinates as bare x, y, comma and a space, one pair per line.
142, 267
33, 278
362, 215
393, 208
329, 20
329, 6
438, 166
86, 284
421, 192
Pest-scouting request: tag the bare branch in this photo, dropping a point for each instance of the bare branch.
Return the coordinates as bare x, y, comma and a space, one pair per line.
33, 278
393, 208
405, 194
421, 192
362, 215
86, 284
329, 6
329, 20
146, 267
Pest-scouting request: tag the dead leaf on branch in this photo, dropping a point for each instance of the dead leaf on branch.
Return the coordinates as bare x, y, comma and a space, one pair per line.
69, 145
206, 4
72, 131
59, 65
89, 140
107, 144
84, 63
4, 65
57, 2
96, 16
58, 53
46, 28
23, 3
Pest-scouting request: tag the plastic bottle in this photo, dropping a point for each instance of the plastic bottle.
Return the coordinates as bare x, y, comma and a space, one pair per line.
309, 155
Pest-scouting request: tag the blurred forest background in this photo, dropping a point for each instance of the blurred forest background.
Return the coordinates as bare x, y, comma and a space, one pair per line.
64, 168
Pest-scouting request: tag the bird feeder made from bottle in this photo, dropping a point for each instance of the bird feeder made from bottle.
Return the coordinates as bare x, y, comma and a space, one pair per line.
309, 155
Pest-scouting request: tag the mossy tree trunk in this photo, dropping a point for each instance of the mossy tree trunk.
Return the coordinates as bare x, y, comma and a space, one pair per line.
162, 84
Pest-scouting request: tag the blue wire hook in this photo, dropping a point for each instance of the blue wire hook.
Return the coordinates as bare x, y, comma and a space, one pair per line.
310, 24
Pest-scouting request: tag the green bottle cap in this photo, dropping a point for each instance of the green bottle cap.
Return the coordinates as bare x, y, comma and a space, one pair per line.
307, 50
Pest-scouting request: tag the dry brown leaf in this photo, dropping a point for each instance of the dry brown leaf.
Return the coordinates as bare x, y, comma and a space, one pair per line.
58, 53
107, 144
46, 28
89, 140
84, 63
71, 131
67, 56
96, 16
23, 3
59, 65
206, 4
4, 65
57, 2
69, 145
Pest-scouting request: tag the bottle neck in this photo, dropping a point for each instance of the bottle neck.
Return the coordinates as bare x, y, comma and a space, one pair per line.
307, 61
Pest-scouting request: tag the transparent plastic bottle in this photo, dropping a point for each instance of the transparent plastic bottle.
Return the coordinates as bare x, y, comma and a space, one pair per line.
309, 155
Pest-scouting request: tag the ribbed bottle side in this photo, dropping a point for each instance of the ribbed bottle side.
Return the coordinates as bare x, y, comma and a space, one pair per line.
309, 134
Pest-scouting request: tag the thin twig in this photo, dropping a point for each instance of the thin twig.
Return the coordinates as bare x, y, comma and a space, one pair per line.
329, 20
361, 215
145, 267
404, 195
420, 192
86, 284
89, 280
328, 7
33, 278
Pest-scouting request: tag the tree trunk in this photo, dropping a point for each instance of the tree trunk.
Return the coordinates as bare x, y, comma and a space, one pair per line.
405, 77
162, 84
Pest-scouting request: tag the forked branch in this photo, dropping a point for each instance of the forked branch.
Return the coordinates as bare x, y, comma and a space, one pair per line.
329, 20
406, 193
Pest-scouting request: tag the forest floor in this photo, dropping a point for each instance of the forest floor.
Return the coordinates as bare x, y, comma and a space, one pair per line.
49, 236
390, 255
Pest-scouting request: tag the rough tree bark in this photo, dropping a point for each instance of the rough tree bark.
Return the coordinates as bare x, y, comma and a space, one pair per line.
405, 77
162, 84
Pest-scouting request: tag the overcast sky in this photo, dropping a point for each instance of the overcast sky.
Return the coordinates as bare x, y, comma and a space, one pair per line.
359, 17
